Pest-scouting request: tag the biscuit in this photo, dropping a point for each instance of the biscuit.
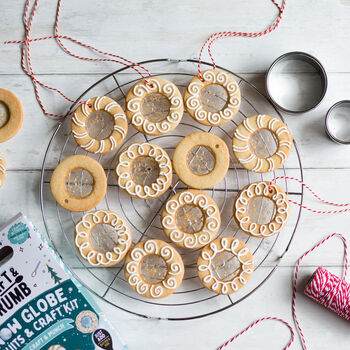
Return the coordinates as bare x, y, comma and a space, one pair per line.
174, 266
236, 277
144, 152
182, 166
82, 238
56, 347
244, 153
2, 170
14, 123
196, 234
86, 321
136, 96
80, 129
60, 175
261, 189
193, 103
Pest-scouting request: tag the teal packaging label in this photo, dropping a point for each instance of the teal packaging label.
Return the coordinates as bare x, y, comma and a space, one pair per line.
41, 305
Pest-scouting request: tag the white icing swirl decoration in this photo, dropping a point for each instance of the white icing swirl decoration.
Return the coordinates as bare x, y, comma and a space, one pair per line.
246, 156
124, 176
134, 101
261, 189
195, 107
239, 278
211, 219
83, 237
2, 170
80, 129
174, 265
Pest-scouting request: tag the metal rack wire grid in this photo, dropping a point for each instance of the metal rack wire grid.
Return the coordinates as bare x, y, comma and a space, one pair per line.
191, 300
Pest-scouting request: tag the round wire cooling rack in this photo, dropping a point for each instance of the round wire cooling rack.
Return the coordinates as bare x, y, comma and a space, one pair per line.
191, 300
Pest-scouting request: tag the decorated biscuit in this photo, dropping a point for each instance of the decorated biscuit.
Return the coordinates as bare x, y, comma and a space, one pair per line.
79, 124
144, 170
225, 265
270, 225
121, 239
191, 219
136, 97
198, 111
247, 156
86, 321
158, 279
2, 170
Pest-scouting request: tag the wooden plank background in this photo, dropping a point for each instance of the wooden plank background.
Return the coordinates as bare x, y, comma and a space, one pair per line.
144, 29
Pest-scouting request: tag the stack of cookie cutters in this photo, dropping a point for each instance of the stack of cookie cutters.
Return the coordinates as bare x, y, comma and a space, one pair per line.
296, 82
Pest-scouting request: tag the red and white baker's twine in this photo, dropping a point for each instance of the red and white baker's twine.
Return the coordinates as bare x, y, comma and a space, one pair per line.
317, 197
337, 296
255, 323
28, 69
325, 288
209, 42
26, 57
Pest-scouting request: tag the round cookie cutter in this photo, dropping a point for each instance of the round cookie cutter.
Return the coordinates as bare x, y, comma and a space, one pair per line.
296, 82
337, 122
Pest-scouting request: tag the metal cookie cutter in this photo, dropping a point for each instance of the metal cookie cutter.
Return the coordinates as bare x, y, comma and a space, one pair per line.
338, 122
296, 82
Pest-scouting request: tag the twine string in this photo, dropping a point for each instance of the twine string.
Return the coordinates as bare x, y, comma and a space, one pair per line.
26, 58
254, 324
224, 34
317, 197
336, 298
26, 62
332, 291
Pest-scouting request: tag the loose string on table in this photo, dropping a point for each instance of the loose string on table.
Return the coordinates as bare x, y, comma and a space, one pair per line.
327, 289
224, 34
254, 324
337, 289
26, 56
316, 196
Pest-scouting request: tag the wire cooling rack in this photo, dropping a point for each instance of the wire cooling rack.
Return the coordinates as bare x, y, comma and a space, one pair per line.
191, 300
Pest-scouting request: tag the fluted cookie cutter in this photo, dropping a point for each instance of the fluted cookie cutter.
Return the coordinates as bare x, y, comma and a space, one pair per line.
296, 82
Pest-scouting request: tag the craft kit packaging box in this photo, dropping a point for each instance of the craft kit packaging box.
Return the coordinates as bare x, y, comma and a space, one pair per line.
42, 306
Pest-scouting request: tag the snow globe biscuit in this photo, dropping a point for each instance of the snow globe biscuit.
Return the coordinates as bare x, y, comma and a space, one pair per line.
144, 101
225, 265
56, 347
2, 170
201, 160
248, 205
80, 172
14, 112
246, 152
144, 170
108, 246
208, 113
86, 321
112, 125
154, 269
191, 219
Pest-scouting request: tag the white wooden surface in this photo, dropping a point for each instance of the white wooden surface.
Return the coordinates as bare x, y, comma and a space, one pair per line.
143, 29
